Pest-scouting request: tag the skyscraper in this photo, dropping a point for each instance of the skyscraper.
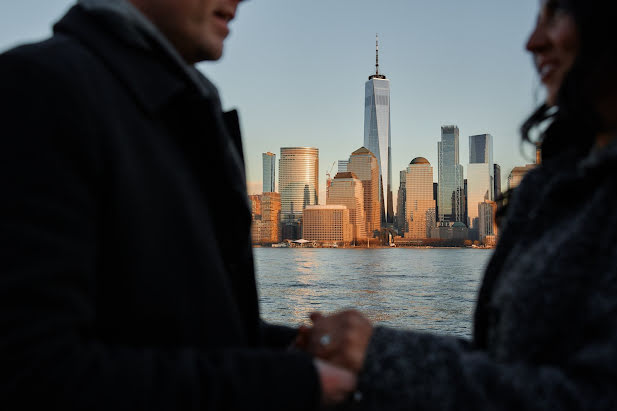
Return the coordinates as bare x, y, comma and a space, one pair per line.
298, 181
364, 164
450, 176
486, 219
420, 206
346, 189
266, 214
497, 183
269, 169
401, 215
377, 133
480, 175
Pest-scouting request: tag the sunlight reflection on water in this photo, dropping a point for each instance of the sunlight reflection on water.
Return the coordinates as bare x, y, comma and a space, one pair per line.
422, 289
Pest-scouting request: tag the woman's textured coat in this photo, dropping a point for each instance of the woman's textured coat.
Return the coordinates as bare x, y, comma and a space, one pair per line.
545, 332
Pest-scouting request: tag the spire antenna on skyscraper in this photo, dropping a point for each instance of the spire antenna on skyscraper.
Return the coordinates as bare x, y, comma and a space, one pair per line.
377, 54
377, 75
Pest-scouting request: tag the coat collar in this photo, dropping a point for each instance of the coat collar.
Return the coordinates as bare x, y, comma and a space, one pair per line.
143, 60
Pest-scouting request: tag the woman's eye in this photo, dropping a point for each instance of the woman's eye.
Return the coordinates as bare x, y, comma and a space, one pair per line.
553, 10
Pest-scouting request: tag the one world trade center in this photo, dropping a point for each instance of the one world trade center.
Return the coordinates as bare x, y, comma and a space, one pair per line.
377, 134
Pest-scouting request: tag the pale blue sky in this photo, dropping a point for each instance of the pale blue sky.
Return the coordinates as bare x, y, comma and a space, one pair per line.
296, 71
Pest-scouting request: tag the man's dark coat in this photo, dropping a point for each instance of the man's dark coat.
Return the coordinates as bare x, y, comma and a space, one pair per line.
126, 273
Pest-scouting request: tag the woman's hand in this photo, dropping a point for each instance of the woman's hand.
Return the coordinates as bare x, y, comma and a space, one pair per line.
340, 339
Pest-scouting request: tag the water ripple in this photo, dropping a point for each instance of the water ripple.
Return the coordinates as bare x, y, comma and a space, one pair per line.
422, 289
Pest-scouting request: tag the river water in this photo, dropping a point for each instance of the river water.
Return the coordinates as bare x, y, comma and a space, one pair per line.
422, 289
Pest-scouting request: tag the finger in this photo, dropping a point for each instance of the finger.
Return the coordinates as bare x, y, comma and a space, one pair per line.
316, 316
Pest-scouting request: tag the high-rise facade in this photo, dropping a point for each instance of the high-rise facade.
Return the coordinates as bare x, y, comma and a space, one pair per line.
497, 182
266, 213
480, 175
298, 181
342, 166
346, 189
269, 172
486, 220
364, 165
450, 199
401, 215
420, 206
377, 137
327, 223
516, 175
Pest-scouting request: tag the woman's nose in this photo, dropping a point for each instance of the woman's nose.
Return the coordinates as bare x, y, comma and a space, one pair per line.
538, 39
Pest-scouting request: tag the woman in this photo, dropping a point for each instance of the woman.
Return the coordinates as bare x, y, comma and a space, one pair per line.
545, 329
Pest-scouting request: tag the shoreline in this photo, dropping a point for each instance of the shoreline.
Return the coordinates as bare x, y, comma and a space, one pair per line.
378, 247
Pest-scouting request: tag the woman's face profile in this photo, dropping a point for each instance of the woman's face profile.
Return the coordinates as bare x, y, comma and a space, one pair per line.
554, 44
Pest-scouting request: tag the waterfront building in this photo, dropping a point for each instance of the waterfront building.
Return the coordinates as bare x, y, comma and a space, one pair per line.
517, 174
420, 206
346, 189
269, 172
497, 184
377, 136
486, 219
401, 214
266, 215
327, 224
450, 176
364, 165
465, 204
436, 197
298, 182
255, 201
450, 231
480, 175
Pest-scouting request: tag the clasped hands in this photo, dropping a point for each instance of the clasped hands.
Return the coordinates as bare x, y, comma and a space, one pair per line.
338, 342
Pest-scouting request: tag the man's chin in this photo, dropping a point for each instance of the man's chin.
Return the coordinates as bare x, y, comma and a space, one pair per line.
207, 53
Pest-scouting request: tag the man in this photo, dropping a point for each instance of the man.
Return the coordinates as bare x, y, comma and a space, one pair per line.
126, 273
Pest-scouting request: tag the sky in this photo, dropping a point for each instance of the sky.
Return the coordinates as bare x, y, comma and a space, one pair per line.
296, 70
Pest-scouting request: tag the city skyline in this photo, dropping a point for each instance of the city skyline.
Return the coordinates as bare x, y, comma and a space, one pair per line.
295, 85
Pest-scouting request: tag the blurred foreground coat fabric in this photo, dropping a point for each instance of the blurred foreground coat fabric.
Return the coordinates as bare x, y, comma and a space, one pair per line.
126, 271
545, 331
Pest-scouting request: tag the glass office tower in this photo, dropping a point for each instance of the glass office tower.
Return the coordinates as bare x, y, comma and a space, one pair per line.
298, 180
480, 175
450, 197
269, 170
377, 134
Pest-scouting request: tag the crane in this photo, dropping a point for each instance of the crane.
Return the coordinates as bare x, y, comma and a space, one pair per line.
330, 170
329, 179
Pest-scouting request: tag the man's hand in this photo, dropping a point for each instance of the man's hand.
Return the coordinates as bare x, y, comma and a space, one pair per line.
336, 383
340, 339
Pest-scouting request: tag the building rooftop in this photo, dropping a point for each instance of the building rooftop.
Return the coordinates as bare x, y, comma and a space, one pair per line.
420, 160
362, 151
326, 207
345, 174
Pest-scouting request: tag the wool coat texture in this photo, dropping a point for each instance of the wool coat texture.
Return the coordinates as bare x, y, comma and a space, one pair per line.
126, 271
545, 329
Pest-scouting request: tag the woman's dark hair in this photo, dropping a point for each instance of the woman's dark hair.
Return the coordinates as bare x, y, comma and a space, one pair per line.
591, 80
